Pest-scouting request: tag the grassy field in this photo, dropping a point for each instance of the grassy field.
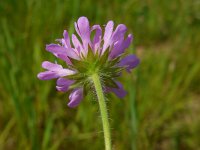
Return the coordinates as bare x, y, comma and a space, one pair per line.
162, 108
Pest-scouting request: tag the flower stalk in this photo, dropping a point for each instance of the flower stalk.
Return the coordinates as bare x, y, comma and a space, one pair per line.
103, 110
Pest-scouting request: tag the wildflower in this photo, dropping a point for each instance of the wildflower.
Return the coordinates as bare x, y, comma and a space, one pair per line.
101, 53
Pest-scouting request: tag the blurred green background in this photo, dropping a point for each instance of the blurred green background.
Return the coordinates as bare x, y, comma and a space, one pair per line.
162, 108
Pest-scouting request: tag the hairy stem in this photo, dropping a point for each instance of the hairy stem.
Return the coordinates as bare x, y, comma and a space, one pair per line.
103, 110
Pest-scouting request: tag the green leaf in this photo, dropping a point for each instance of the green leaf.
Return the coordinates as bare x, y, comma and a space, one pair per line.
75, 85
104, 57
110, 83
78, 76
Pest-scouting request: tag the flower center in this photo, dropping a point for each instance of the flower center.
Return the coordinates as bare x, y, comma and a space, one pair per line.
95, 64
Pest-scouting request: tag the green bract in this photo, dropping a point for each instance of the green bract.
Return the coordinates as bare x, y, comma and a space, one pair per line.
95, 63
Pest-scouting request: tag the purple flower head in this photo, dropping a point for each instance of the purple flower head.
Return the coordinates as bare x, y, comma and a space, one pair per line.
101, 53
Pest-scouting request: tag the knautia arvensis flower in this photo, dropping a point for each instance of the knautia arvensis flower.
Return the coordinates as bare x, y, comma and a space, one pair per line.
100, 53
93, 61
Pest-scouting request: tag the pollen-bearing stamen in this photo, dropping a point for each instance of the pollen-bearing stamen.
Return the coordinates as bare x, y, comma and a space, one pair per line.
101, 54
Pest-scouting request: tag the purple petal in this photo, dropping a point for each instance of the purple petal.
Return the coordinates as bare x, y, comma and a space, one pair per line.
63, 81
65, 58
54, 71
120, 92
97, 37
51, 66
76, 28
107, 35
130, 62
47, 75
83, 29
65, 72
58, 50
66, 39
63, 84
117, 49
120, 46
62, 56
118, 33
58, 69
77, 45
128, 41
75, 97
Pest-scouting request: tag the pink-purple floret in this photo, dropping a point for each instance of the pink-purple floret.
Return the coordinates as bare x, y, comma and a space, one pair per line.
76, 49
